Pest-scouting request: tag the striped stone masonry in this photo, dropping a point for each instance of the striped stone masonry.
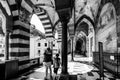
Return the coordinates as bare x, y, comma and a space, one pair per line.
14, 9
19, 41
60, 34
44, 18
20, 36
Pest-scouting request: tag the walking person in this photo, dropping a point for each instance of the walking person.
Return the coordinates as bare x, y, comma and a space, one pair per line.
56, 63
48, 62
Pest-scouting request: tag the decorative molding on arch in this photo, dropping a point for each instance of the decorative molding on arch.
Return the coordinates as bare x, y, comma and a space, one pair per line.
82, 17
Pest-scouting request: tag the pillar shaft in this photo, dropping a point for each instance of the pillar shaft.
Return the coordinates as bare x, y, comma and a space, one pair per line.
64, 47
72, 50
19, 43
7, 45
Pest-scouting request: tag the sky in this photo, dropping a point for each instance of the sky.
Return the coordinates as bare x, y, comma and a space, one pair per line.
56, 35
38, 24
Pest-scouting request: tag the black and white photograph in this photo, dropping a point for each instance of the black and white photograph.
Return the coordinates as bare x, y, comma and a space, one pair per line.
59, 39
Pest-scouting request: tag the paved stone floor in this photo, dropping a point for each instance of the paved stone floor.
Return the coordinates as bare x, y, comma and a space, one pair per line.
83, 69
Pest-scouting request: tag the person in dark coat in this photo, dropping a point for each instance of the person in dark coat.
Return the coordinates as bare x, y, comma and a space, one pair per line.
56, 63
48, 61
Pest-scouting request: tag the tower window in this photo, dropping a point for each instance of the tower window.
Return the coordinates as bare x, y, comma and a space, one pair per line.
53, 45
45, 44
38, 51
38, 44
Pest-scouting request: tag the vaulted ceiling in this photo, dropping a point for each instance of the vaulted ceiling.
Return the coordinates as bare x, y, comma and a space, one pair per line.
86, 7
49, 6
82, 8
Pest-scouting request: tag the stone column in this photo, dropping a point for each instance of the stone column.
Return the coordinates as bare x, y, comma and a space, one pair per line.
72, 59
7, 45
64, 74
64, 46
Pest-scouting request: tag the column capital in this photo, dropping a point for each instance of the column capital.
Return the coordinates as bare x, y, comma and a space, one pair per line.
64, 15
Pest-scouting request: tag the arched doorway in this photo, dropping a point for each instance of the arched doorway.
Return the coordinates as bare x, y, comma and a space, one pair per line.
37, 33
86, 29
80, 50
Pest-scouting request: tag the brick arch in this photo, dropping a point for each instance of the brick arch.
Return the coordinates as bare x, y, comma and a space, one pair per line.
45, 19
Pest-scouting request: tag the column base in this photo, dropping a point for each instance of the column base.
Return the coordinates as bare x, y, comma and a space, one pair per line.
64, 77
72, 60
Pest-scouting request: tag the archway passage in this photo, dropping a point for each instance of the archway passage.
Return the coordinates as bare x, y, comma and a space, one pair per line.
85, 31
78, 47
81, 34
